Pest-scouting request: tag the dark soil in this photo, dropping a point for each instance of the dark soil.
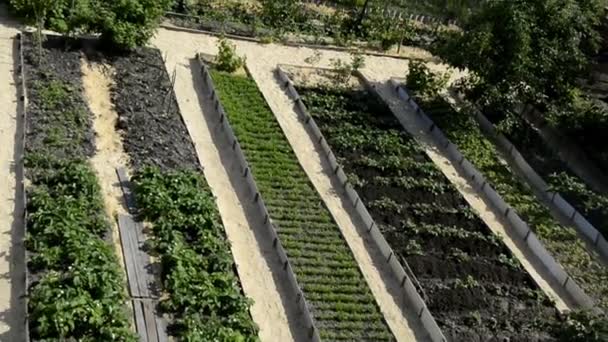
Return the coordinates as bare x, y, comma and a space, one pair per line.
149, 118
46, 131
473, 286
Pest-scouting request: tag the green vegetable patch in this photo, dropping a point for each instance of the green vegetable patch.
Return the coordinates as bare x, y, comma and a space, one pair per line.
342, 304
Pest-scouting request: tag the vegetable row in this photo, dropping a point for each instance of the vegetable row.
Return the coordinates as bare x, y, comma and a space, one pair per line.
76, 287
341, 303
472, 284
562, 241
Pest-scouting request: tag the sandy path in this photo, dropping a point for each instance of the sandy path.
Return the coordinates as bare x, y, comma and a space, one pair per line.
404, 325
261, 60
485, 211
109, 153
258, 267
11, 211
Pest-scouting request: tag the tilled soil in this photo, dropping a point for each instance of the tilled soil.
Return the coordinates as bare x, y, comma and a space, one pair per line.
472, 285
149, 118
60, 65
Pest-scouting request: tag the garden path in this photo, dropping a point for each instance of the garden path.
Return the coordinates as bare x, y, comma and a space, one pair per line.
262, 61
12, 268
259, 270
484, 209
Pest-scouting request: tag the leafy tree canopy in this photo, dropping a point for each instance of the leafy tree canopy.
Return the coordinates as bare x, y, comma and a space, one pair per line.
526, 51
124, 23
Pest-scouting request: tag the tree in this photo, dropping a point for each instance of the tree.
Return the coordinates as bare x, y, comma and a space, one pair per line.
529, 52
38, 10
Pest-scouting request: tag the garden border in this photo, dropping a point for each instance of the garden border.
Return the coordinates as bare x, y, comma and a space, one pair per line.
172, 27
399, 271
20, 172
313, 334
556, 201
479, 183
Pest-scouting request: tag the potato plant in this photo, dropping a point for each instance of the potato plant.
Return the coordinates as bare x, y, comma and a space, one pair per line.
342, 304
77, 289
562, 241
203, 292
464, 269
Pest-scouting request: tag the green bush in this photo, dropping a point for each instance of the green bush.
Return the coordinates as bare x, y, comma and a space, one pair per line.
423, 82
125, 24
227, 59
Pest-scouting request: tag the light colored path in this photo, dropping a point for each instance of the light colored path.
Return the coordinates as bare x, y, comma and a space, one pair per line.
385, 287
12, 276
259, 269
109, 153
485, 211
262, 60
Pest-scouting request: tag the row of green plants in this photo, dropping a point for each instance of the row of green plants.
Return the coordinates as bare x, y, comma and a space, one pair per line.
562, 241
202, 291
454, 256
77, 287
342, 304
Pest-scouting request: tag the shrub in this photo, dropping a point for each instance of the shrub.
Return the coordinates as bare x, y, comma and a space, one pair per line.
125, 24
424, 82
227, 59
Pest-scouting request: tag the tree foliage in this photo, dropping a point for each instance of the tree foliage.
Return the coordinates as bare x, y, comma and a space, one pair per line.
527, 51
124, 23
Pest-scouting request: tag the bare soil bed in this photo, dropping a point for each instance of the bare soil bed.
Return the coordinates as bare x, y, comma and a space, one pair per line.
149, 118
473, 286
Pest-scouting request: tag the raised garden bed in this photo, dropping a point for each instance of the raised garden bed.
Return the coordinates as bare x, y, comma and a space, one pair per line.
592, 204
340, 302
563, 242
202, 292
474, 288
76, 285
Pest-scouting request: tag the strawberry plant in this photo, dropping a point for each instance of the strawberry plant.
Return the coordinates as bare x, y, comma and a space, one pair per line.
459, 263
342, 304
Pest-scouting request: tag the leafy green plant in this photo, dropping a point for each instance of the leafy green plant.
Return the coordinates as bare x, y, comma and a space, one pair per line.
343, 71
227, 59
321, 260
203, 292
423, 82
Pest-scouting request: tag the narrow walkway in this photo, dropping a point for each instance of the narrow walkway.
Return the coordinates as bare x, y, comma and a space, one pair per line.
404, 325
485, 211
12, 263
109, 153
259, 269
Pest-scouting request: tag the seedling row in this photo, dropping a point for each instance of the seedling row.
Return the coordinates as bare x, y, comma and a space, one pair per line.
341, 303
472, 285
562, 241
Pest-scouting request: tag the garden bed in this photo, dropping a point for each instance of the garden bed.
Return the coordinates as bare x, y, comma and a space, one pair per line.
563, 242
202, 292
340, 302
473, 287
76, 285
592, 204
